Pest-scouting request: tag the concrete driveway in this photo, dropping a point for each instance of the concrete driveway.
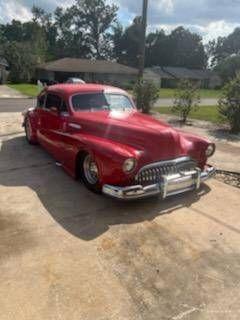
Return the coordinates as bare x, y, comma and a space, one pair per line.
7, 92
66, 253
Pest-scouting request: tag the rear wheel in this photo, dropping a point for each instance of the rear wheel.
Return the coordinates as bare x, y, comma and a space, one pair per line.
90, 173
29, 132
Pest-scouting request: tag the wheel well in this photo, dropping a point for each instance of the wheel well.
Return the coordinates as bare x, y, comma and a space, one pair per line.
79, 158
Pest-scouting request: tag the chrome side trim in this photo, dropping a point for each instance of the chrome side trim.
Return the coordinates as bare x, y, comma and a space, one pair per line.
170, 185
74, 125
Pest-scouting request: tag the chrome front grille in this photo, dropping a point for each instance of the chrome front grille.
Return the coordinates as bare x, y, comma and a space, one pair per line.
152, 173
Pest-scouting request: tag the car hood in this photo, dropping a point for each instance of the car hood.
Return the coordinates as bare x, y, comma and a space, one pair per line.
156, 139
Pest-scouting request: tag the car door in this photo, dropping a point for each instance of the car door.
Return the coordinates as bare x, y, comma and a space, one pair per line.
53, 123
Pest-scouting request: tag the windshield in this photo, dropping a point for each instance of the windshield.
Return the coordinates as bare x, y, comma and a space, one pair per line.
101, 101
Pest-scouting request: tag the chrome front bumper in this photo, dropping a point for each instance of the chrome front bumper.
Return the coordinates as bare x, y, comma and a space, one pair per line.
168, 186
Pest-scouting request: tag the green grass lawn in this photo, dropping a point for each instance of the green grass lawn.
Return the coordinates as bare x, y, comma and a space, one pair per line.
167, 93
204, 93
208, 113
27, 89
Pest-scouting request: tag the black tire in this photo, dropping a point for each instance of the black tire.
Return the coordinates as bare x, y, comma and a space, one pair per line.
91, 178
28, 132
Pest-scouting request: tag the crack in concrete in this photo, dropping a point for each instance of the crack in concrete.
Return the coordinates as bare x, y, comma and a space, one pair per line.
27, 167
185, 313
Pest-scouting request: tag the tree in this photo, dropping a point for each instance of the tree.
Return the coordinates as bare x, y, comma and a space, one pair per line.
158, 51
229, 104
186, 99
130, 44
30, 31
21, 60
147, 93
24, 45
181, 48
98, 17
71, 41
44, 20
218, 50
117, 38
228, 68
86, 27
187, 49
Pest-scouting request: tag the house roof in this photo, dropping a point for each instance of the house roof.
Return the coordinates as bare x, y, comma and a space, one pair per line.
205, 74
85, 65
3, 62
181, 73
162, 73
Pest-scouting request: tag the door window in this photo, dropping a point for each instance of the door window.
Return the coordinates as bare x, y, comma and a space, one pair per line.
53, 101
41, 101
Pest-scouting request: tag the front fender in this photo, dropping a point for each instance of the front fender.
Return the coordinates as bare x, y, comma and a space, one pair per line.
109, 156
196, 147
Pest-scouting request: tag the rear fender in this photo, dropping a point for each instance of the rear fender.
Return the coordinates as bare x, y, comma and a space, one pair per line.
31, 116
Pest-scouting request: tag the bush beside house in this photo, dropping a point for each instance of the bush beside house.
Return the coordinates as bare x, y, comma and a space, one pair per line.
229, 104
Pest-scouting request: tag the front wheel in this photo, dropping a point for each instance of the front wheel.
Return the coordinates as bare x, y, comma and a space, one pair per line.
90, 173
29, 132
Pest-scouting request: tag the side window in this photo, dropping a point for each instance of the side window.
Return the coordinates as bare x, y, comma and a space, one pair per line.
41, 101
53, 101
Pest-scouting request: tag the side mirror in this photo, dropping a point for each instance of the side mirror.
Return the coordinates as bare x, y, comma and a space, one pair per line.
54, 110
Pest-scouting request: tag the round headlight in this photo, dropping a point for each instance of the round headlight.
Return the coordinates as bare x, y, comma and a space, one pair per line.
129, 165
210, 150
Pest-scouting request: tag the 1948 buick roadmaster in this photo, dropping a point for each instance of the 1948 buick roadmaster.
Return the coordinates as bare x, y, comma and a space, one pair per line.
96, 134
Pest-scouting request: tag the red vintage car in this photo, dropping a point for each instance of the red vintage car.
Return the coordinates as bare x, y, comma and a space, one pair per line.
95, 133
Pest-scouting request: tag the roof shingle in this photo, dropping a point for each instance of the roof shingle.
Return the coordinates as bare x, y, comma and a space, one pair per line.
85, 65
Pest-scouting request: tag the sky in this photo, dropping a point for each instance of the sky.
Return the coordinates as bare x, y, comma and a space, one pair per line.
209, 18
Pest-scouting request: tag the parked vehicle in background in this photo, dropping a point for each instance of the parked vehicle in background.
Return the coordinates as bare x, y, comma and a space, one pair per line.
75, 80
97, 134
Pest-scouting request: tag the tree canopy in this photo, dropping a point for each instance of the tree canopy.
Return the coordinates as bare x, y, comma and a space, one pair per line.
181, 48
90, 29
223, 47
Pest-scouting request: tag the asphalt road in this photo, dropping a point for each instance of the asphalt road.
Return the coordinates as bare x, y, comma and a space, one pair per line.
66, 253
16, 105
169, 102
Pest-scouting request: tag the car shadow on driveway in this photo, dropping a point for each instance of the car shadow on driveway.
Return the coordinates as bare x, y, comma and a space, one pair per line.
72, 206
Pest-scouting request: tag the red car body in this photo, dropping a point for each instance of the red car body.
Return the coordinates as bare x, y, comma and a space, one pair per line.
112, 137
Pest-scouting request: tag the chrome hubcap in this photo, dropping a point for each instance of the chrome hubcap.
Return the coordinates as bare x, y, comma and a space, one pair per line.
90, 170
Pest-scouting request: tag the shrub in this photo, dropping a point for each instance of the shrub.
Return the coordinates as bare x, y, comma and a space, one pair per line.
146, 94
128, 85
186, 99
229, 104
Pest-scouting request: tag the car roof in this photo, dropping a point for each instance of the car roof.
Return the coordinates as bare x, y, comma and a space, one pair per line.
68, 89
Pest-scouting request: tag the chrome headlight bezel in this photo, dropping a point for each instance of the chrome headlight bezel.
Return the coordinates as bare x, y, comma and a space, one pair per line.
209, 152
129, 165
